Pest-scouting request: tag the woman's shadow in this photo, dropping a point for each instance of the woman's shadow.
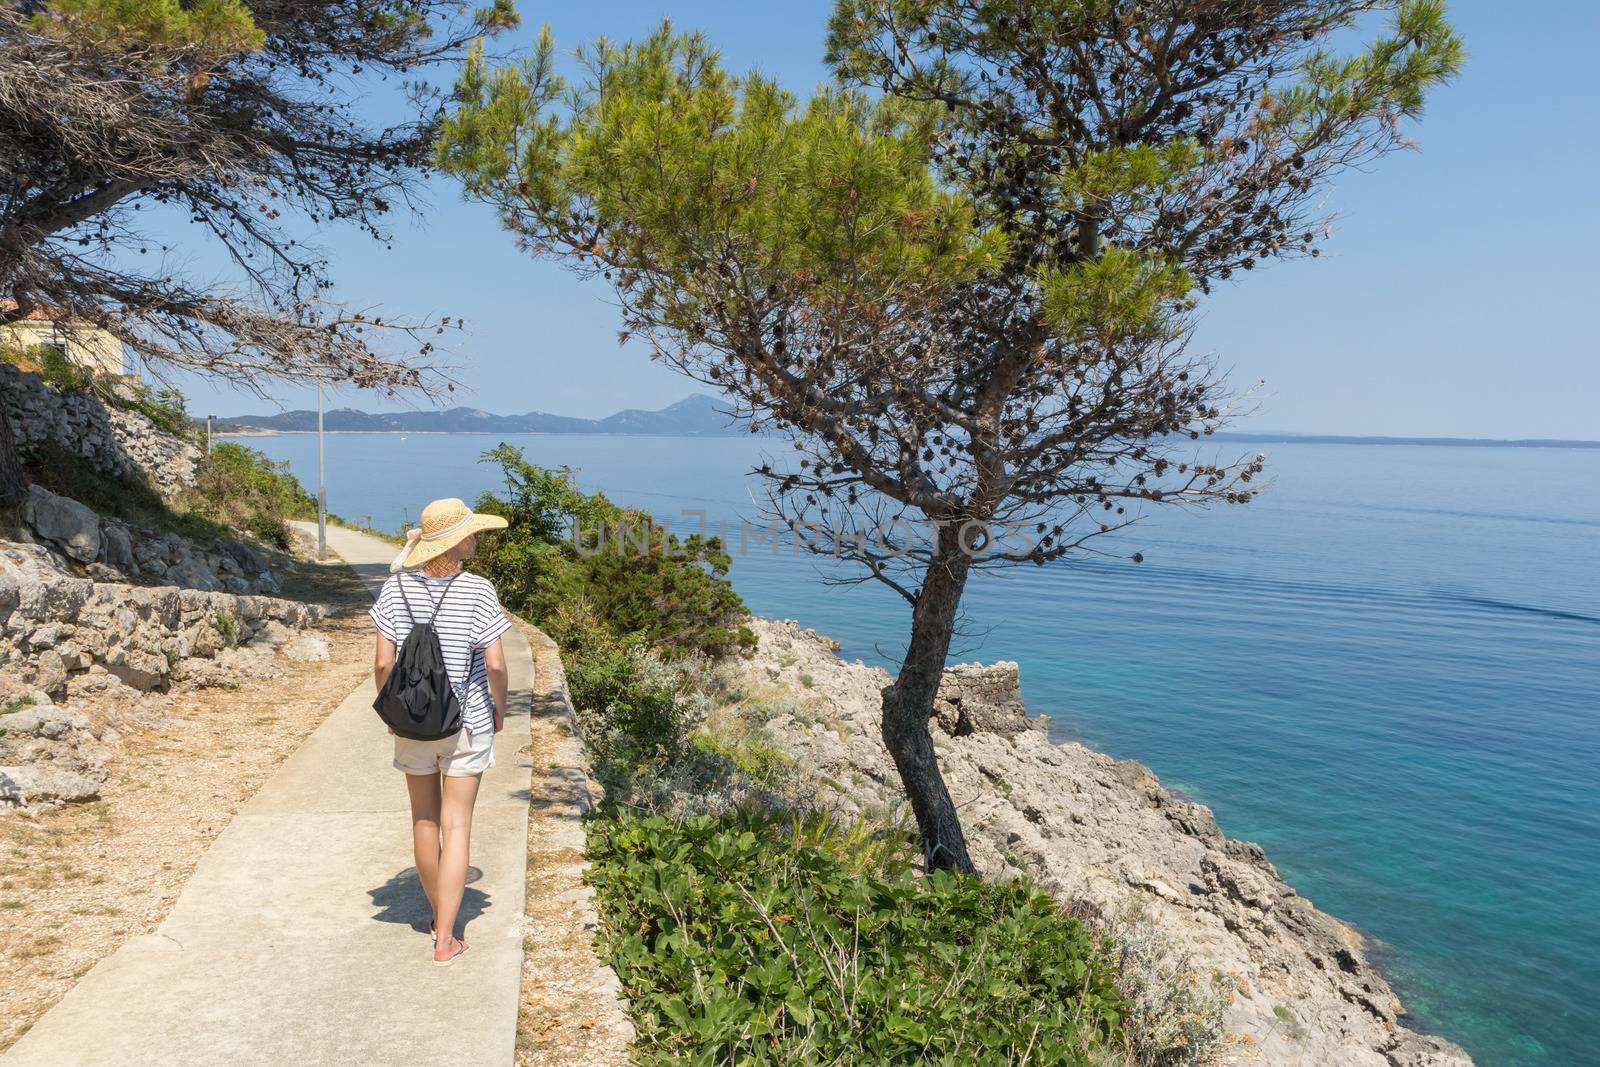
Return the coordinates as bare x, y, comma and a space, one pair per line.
401, 900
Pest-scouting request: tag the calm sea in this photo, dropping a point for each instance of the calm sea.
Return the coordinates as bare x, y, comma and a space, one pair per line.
1386, 671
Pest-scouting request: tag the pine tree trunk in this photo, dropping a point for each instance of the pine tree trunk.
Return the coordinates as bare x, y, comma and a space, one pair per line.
908, 708
13, 479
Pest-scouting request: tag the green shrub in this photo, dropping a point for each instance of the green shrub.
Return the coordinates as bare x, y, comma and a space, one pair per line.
59, 372
633, 710
674, 598
164, 407
763, 940
242, 488
738, 730
756, 757
271, 528
1177, 1006
51, 364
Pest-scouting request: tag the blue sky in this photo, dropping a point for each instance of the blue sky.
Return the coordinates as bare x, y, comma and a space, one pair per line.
1451, 299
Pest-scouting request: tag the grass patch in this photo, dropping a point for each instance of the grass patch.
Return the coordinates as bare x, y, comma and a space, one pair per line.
43, 946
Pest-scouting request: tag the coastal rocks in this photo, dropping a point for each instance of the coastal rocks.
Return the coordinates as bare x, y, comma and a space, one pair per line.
49, 756
115, 551
1102, 836
114, 441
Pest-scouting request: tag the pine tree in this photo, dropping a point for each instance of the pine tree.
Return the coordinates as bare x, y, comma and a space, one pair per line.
962, 278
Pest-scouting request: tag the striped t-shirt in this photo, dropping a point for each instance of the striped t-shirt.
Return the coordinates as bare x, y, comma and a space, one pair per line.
469, 620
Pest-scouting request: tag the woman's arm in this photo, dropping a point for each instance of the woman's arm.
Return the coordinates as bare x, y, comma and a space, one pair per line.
383, 663
382, 660
494, 662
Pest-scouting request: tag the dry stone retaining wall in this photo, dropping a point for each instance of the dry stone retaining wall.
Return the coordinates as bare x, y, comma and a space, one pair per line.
69, 643
55, 626
117, 443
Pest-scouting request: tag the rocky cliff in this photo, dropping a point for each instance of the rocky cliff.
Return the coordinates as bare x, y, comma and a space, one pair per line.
1106, 839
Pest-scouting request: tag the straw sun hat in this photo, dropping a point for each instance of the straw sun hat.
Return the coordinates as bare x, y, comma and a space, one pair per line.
445, 524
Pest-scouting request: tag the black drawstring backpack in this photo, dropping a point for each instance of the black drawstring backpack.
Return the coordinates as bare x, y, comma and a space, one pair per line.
417, 699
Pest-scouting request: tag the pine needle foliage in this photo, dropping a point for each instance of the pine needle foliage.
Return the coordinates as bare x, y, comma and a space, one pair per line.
962, 277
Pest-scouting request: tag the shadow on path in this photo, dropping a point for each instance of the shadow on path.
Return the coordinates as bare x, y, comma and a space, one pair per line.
401, 900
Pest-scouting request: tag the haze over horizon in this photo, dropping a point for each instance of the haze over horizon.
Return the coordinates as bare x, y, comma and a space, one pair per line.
1440, 307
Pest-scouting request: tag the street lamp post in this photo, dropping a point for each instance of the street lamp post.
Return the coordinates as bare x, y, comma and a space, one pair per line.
208, 433
322, 489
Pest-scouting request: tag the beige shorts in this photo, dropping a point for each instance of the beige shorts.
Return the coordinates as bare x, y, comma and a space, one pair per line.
458, 756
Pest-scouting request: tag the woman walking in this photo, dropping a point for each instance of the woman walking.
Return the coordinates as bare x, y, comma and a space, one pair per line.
428, 583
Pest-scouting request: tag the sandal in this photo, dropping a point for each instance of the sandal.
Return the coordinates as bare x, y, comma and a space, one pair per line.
452, 959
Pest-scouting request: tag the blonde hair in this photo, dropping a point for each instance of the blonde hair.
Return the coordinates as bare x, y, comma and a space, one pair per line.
445, 564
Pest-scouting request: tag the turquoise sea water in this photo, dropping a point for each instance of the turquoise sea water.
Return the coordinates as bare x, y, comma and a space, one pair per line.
1386, 671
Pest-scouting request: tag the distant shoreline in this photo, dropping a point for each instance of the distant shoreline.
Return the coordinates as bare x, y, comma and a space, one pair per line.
464, 433
1443, 442
1264, 438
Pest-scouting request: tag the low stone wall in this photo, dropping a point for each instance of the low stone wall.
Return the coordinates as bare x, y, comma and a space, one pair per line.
54, 627
118, 443
70, 644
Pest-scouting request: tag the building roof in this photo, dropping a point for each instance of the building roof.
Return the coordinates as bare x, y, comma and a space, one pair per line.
36, 315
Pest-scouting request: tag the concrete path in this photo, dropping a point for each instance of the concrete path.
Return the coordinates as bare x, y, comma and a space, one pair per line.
301, 938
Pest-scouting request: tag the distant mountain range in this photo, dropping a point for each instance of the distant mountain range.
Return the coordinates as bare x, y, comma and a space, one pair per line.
696, 415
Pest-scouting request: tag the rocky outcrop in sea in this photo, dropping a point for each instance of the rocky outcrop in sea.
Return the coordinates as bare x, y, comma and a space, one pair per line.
1107, 840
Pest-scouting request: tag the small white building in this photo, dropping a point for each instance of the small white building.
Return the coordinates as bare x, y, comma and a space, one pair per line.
85, 345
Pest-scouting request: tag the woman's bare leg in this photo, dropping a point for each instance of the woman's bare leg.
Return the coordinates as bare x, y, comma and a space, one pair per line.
425, 801
455, 820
